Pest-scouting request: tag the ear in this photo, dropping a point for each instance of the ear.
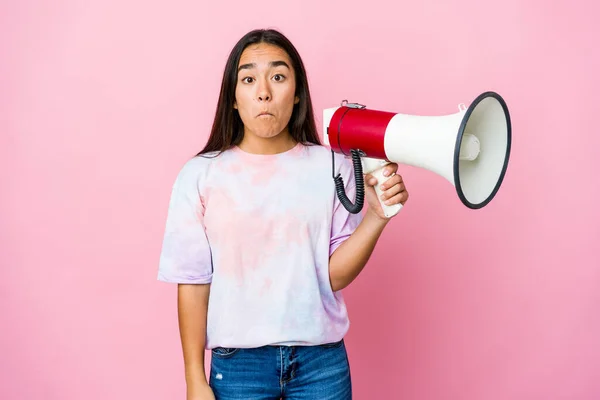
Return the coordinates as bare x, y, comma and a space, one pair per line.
235, 105
297, 100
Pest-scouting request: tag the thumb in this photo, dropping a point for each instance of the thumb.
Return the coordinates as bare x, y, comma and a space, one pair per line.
370, 180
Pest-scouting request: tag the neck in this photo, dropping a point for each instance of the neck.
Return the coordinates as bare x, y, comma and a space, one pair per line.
274, 145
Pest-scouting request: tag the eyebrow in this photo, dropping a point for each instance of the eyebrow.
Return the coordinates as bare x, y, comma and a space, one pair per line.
272, 64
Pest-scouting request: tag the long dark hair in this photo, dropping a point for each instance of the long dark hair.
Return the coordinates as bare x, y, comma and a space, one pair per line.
227, 129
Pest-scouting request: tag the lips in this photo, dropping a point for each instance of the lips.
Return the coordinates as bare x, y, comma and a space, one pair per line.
264, 113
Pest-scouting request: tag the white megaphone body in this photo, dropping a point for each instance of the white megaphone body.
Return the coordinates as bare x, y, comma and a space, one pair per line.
470, 148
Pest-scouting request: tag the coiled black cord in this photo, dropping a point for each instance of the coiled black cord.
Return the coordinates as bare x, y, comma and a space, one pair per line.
360, 184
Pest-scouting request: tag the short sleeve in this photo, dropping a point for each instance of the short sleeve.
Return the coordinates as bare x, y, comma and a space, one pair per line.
344, 223
186, 255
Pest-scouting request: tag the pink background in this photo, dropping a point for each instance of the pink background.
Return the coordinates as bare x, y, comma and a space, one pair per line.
102, 101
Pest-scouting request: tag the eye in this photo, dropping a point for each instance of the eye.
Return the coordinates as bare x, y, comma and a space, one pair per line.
279, 78
247, 80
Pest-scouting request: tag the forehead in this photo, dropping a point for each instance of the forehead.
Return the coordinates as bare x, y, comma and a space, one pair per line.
262, 53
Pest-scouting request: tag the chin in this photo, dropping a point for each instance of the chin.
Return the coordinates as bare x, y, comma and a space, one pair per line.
267, 134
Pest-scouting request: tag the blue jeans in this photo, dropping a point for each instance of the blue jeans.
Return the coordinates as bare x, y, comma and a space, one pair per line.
281, 372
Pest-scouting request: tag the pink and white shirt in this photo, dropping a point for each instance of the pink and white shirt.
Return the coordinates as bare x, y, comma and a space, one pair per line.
260, 229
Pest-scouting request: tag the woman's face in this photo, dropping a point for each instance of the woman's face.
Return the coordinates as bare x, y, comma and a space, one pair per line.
265, 90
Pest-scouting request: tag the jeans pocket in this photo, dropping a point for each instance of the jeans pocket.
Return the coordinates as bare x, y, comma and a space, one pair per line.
224, 352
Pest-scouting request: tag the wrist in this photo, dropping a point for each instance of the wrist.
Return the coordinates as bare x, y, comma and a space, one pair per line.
196, 385
373, 218
195, 376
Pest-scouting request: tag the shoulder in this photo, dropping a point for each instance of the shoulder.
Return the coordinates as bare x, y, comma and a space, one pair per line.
322, 157
197, 165
317, 150
194, 170
321, 152
341, 162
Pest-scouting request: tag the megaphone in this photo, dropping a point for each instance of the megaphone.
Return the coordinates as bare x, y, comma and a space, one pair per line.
469, 148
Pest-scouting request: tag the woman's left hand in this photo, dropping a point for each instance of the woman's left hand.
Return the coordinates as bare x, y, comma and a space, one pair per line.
393, 188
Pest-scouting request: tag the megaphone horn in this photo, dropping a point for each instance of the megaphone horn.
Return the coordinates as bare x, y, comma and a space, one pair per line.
470, 148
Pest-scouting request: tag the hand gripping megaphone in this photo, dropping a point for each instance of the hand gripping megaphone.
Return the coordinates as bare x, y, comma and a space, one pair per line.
470, 148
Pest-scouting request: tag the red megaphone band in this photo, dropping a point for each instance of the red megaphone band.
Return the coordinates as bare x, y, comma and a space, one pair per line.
359, 129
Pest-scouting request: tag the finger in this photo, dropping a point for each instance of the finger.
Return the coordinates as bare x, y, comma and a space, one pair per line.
394, 190
394, 180
390, 169
400, 198
370, 180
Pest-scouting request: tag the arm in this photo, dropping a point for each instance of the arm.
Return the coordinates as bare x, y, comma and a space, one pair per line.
192, 304
349, 259
186, 260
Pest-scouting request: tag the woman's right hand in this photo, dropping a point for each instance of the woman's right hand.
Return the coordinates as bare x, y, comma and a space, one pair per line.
201, 392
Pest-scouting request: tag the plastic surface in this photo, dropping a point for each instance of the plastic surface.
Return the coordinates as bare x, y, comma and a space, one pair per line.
375, 167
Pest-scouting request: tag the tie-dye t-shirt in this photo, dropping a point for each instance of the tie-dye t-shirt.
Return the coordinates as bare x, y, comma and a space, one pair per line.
260, 229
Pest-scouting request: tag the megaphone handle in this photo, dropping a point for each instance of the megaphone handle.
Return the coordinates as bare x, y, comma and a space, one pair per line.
388, 211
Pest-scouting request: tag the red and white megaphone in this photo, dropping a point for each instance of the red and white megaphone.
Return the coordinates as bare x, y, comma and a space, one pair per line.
470, 148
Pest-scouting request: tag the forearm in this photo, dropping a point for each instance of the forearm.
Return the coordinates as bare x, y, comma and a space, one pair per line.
349, 259
192, 308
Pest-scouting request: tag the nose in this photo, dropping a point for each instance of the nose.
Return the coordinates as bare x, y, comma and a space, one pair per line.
264, 92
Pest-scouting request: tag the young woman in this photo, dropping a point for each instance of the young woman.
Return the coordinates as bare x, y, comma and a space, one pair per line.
258, 242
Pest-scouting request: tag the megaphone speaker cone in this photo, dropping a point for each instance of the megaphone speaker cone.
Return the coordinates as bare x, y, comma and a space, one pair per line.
487, 119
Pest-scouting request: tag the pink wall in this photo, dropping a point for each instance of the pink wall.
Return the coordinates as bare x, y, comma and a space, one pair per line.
102, 101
